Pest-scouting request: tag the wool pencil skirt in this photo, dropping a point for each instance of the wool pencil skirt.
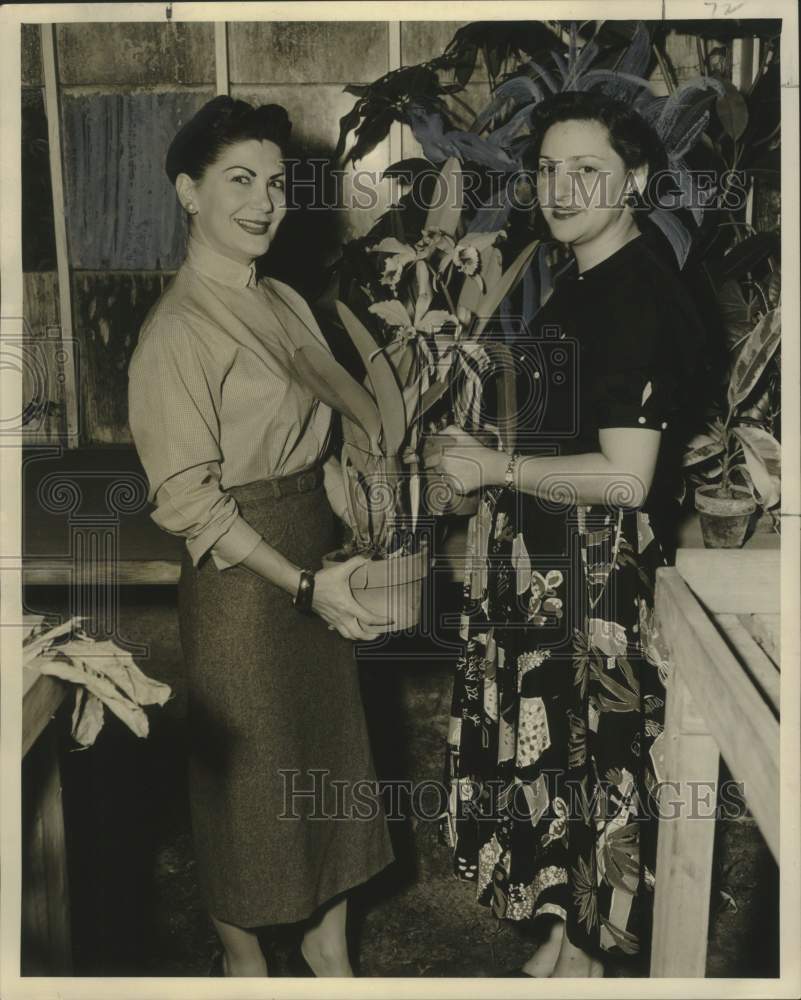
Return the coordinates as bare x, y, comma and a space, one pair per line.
285, 814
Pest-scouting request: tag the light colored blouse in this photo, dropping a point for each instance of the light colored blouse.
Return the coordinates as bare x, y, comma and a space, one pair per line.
212, 403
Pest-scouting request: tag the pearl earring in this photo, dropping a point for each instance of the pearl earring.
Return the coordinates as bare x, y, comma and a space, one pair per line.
191, 208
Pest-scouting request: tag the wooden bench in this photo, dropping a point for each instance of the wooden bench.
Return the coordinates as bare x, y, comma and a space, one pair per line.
46, 934
718, 611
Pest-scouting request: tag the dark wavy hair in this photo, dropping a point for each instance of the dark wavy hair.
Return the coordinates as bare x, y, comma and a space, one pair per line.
220, 123
630, 135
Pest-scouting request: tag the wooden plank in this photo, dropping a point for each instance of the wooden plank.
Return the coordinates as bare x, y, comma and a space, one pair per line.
46, 946
757, 663
739, 719
59, 218
686, 840
394, 62
130, 572
41, 698
221, 56
733, 581
766, 630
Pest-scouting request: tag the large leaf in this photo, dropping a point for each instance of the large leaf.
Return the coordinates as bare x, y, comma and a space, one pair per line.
759, 447
732, 111
736, 311
347, 122
330, 382
675, 233
503, 368
746, 256
406, 171
508, 280
637, 57
755, 354
702, 447
449, 195
382, 377
510, 94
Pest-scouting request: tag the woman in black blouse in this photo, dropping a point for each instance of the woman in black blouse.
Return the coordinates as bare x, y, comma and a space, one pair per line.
558, 701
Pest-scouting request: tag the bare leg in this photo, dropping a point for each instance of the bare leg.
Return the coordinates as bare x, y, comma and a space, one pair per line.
243, 955
542, 962
324, 945
573, 963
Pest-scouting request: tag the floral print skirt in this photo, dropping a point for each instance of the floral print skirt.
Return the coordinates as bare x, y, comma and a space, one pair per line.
557, 715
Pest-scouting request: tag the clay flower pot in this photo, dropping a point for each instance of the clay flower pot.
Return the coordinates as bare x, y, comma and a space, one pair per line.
724, 518
389, 587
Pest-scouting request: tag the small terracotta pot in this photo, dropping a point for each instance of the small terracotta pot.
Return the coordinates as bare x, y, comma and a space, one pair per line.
724, 519
390, 588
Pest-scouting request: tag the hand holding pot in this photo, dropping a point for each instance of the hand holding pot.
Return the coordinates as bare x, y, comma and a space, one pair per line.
334, 602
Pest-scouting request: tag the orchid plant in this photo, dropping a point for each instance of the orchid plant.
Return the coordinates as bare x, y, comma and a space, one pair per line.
426, 312
422, 285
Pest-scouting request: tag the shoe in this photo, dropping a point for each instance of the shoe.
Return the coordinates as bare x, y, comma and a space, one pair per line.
297, 964
217, 967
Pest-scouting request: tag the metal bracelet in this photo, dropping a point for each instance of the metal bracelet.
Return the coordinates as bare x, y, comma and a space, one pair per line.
510, 474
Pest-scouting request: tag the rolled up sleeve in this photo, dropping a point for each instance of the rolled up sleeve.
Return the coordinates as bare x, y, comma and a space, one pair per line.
174, 399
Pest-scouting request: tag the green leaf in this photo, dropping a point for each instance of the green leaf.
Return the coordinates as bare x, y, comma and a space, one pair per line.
754, 356
736, 311
746, 256
330, 382
732, 111
446, 211
700, 448
347, 122
387, 392
508, 280
761, 450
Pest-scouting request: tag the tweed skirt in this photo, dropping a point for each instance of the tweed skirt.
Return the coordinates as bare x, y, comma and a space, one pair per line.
275, 718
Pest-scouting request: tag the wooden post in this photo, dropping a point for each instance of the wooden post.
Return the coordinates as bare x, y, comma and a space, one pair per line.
46, 947
60, 223
686, 838
221, 56
394, 62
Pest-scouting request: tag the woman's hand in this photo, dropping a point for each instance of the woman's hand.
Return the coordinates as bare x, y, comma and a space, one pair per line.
333, 601
469, 464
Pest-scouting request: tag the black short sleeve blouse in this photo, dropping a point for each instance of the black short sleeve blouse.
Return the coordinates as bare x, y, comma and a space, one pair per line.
636, 348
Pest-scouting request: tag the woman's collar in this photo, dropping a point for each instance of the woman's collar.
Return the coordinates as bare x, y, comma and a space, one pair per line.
218, 267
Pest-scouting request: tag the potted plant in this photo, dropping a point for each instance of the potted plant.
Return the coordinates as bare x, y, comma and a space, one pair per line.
425, 361
735, 466
737, 460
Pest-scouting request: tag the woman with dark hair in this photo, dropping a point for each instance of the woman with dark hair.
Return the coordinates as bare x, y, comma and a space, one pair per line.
558, 701
235, 451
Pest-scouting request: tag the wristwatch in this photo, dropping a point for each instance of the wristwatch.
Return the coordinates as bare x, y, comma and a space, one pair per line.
303, 599
510, 474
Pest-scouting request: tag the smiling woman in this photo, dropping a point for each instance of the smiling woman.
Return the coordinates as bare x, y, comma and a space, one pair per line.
239, 200
237, 458
559, 688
